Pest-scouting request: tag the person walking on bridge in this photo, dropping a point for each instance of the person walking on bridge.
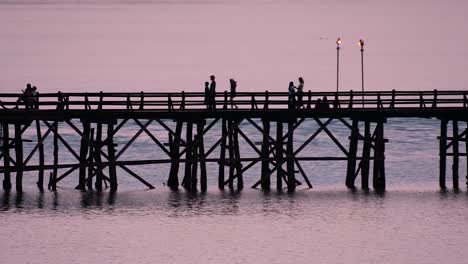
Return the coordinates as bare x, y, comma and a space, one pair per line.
212, 93
291, 94
233, 91
207, 95
300, 92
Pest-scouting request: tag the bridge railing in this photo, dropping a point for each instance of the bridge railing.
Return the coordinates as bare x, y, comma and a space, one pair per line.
182, 101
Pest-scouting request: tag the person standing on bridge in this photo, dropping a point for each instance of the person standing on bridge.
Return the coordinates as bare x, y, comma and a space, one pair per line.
291, 94
207, 94
212, 93
300, 92
233, 91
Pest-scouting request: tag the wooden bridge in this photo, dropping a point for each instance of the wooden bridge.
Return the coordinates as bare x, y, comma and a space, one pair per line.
97, 117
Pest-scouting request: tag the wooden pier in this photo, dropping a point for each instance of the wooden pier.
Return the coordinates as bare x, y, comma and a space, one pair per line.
96, 118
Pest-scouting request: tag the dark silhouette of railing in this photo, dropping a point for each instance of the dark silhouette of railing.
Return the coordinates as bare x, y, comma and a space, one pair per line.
242, 101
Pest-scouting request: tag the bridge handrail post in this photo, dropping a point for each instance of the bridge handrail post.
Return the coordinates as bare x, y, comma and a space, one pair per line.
421, 101
351, 95
182, 104
129, 103
392, 103
101, 98
336, 102
465, 100
379, 102
87, 106
267, 95
170, 107
225, 103
142, 98
434, 102
309, 99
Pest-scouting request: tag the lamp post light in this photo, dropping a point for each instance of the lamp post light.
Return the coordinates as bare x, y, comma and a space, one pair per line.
361, 44
338, 43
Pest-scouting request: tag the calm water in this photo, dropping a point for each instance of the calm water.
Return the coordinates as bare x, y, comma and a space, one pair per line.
174, 45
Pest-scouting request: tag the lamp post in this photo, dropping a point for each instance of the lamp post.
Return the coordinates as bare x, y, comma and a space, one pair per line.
361, 44
338, 42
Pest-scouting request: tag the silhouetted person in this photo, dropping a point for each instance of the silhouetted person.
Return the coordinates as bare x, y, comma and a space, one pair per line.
300, 92
318, 104
213, 92
325, 104
207, 94
27, 95
34, 97
233, 84
291, 94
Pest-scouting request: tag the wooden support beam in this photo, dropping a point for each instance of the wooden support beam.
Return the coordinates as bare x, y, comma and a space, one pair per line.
133, 139
92, 146
186, 182
19, 157
265, 176
290, 159
6, 156
52, 185
97, 157
194, 179
279, 155
40, 178
111, 157
466, 151
379, 158
353, 145
455, 154
222, 154
238, 163
365, 162
231, 155
304, 175
201, 155
136, 176
442, 153
173, 181
84, 147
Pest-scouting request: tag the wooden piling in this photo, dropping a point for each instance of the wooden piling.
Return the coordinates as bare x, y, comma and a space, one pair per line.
365, 162
97, 157
379, 158
442, 152
279, 155
265, 177
40, 178
290, 159
84, 147
193, 178
351, 168
201, 155
53, 177
222, 154
238, 164
173, 181
466, 151
19, 157
186, 182
6, 156
456, 152
231, 154
89, 180
111, 156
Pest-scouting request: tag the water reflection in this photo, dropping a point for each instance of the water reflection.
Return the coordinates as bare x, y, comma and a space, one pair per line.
179, 203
